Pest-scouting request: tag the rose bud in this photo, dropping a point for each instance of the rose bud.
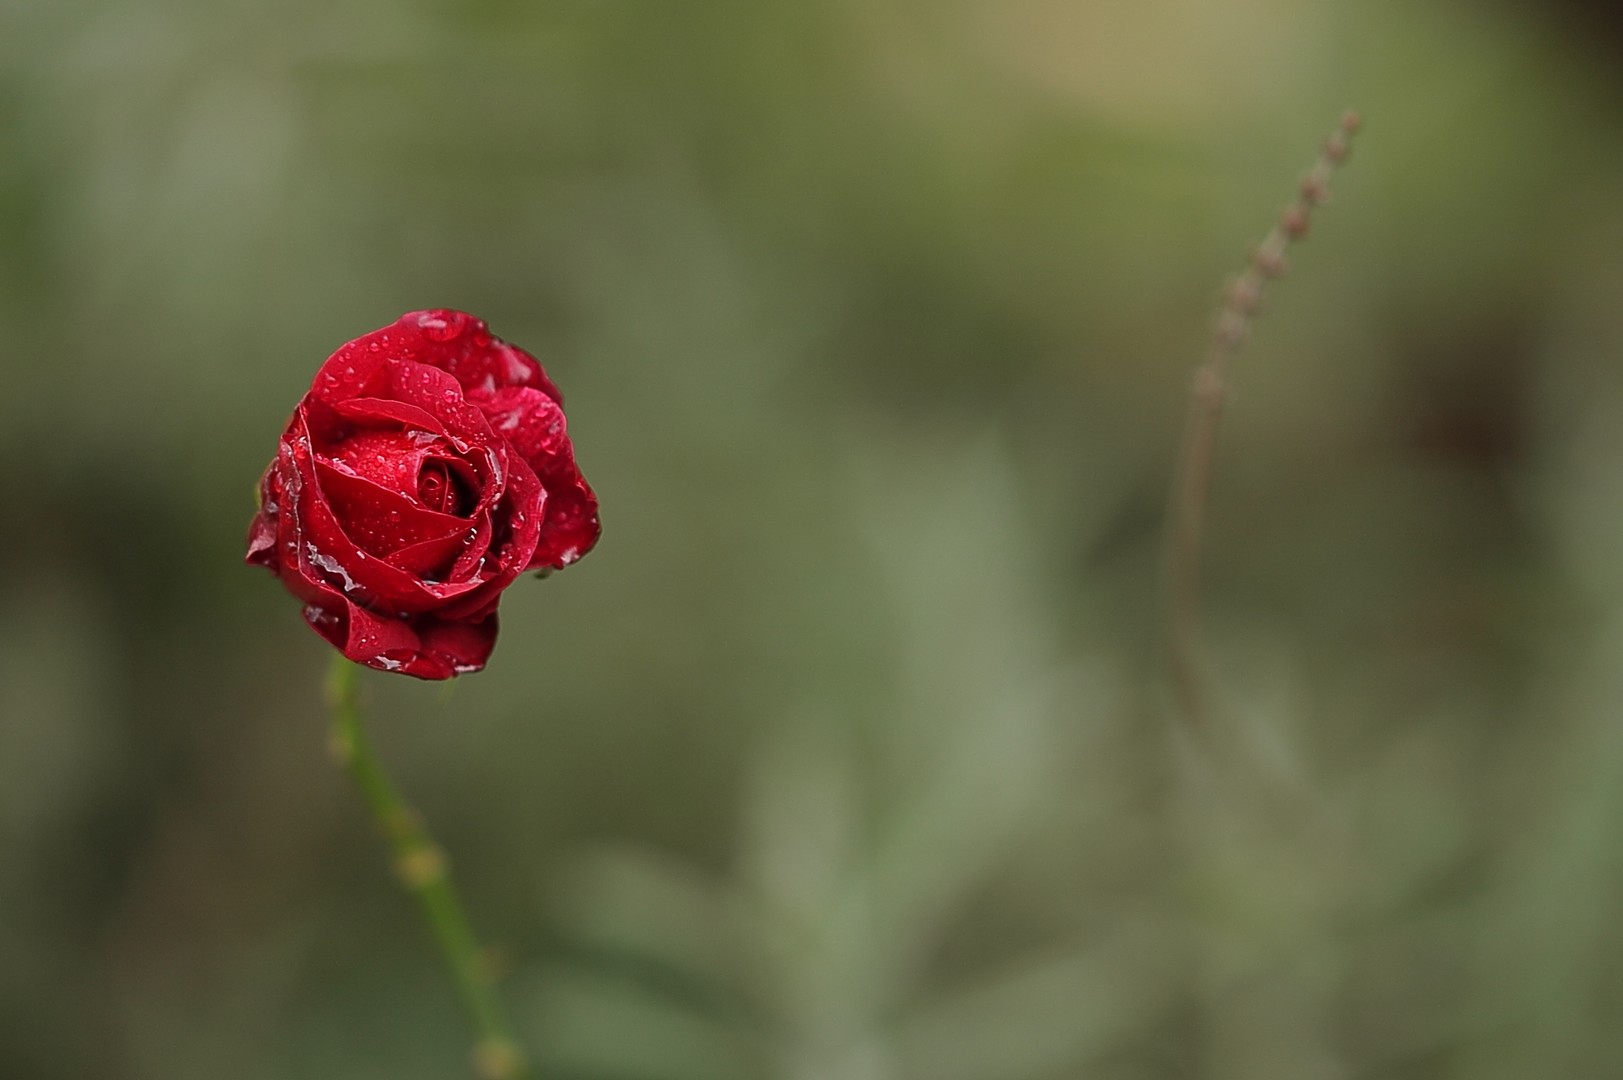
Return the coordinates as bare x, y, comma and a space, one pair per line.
426, 469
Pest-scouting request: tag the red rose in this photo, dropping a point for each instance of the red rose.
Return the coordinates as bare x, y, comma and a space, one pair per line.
424, 471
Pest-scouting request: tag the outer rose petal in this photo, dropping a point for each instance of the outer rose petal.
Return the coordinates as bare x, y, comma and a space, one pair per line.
441, 396
570, 528
534, 425
453, 341
262, 530
425, 646
465, 347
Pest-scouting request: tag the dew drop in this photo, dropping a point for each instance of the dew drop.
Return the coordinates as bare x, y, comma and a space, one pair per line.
438, 327
331, 566
517, 370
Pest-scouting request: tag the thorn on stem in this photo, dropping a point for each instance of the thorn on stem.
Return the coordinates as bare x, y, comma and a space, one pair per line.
1269, 262
421, 867
496, 1059
1230, 331
1294, 221
341, 747
1245, 296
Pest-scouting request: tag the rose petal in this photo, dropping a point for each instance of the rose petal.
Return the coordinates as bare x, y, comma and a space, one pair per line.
291, 562
531, 422
511, 543
453, 486
472, 558
381, 521
262, 529
372, 581
356, 369
465, 645
379, 412
534, 426
570, 528
432, 560
324, 555
388, 459
426, 646
463, 346
442, 397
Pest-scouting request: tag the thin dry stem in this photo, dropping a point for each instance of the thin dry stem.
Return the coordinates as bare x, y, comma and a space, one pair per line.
1192, 483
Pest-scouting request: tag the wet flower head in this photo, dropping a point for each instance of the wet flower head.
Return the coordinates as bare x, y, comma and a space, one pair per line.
426, 469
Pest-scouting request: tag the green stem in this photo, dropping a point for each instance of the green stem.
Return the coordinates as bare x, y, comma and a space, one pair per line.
421, 865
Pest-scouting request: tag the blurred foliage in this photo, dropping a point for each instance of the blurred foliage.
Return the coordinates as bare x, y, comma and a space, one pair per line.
846, 756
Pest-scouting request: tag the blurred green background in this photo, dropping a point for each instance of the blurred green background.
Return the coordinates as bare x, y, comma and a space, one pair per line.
847, 755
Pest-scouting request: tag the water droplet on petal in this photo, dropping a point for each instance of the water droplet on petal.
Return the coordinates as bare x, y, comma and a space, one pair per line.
442, 326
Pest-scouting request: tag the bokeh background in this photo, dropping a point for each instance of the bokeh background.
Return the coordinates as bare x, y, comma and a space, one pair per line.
848, 754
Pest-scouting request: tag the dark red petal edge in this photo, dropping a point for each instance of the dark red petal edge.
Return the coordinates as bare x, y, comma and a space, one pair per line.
424, 646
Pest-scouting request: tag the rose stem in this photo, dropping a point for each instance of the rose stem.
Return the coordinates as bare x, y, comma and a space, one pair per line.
422, 867
1192, 483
